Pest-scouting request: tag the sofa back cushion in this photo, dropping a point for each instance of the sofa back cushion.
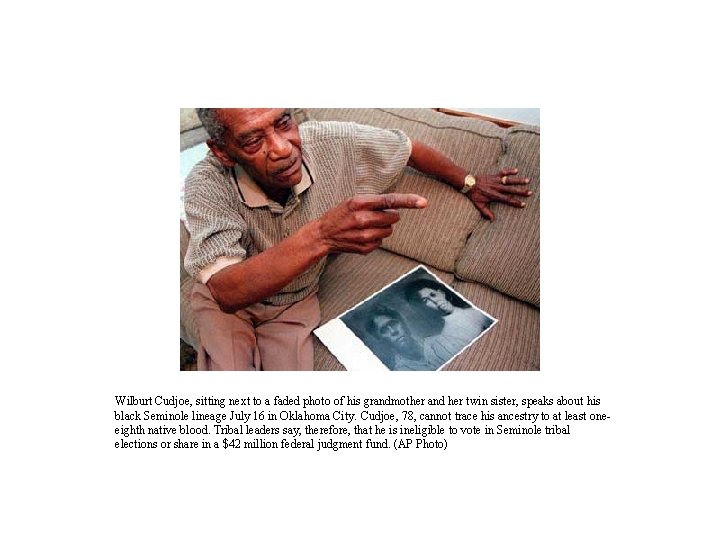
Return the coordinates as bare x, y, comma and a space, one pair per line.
436, 235
188, 120
506, 254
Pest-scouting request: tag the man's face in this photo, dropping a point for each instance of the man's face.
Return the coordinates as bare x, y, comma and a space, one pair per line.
266, 142
436, 300
394, 331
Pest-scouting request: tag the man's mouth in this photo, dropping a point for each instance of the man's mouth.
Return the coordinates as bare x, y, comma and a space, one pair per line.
289, 170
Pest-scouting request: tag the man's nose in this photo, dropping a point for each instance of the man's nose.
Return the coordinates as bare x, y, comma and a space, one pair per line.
279, 147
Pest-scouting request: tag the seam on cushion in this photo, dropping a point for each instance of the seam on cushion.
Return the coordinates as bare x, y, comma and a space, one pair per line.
396, 115
462, 251
510, 133
522, 130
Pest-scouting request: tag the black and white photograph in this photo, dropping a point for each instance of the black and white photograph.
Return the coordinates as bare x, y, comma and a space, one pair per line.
416, 323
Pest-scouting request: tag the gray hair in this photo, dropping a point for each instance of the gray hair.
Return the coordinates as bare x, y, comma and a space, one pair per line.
212, 124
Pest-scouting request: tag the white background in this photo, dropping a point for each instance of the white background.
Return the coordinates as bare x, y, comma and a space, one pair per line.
90, 262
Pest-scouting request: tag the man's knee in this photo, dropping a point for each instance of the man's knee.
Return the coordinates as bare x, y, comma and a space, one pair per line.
228, 338
285, 343
236, 352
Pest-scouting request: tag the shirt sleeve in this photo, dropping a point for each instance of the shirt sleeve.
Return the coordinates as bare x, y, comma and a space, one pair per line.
217, 231
380, 156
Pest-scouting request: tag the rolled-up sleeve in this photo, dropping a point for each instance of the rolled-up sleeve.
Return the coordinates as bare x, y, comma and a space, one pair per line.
217, 231
380, 155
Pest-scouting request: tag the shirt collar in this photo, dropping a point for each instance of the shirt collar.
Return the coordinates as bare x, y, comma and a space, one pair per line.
253, 196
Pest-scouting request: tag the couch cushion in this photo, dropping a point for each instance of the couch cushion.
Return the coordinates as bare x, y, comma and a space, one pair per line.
192, 137
349, 279
301, 115
436, 127
506, 254
512, 344
436, 235
188, 120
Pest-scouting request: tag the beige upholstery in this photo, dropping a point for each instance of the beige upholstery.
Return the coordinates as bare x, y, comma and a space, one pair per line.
512, 344
449, 220
506, 254
188, 120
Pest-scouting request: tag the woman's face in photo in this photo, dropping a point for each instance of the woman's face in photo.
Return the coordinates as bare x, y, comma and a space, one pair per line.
436, 300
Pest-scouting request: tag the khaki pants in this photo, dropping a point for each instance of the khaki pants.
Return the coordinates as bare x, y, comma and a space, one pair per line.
258, 337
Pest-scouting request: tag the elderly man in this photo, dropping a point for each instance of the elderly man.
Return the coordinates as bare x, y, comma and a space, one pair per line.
272, 200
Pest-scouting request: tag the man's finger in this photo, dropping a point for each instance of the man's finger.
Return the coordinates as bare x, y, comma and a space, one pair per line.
485, 212
512, 190
363, 236
402, 200
507, 172
387, 201
513, 181
365, 219
365, 249
499, 197
373, 235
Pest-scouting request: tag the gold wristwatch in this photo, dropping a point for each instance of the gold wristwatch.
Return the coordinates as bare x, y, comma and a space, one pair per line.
469, 183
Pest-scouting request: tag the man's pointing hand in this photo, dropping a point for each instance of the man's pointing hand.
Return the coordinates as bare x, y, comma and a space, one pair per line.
360, 224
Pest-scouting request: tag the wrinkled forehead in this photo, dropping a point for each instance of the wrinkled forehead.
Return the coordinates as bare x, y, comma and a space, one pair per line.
240, 121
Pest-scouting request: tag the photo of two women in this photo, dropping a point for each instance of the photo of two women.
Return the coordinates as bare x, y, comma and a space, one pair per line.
417, 324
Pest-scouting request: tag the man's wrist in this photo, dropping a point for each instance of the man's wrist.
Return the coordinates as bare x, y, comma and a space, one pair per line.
468, 183
314, 241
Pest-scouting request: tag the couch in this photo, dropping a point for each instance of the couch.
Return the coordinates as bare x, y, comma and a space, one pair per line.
494, 265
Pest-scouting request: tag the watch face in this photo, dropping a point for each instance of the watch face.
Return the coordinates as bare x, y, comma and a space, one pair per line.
469, 183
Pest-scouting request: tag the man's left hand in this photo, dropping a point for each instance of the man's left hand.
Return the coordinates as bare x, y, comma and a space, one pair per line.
501, 187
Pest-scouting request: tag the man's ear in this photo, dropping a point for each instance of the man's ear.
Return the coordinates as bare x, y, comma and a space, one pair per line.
219, 152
